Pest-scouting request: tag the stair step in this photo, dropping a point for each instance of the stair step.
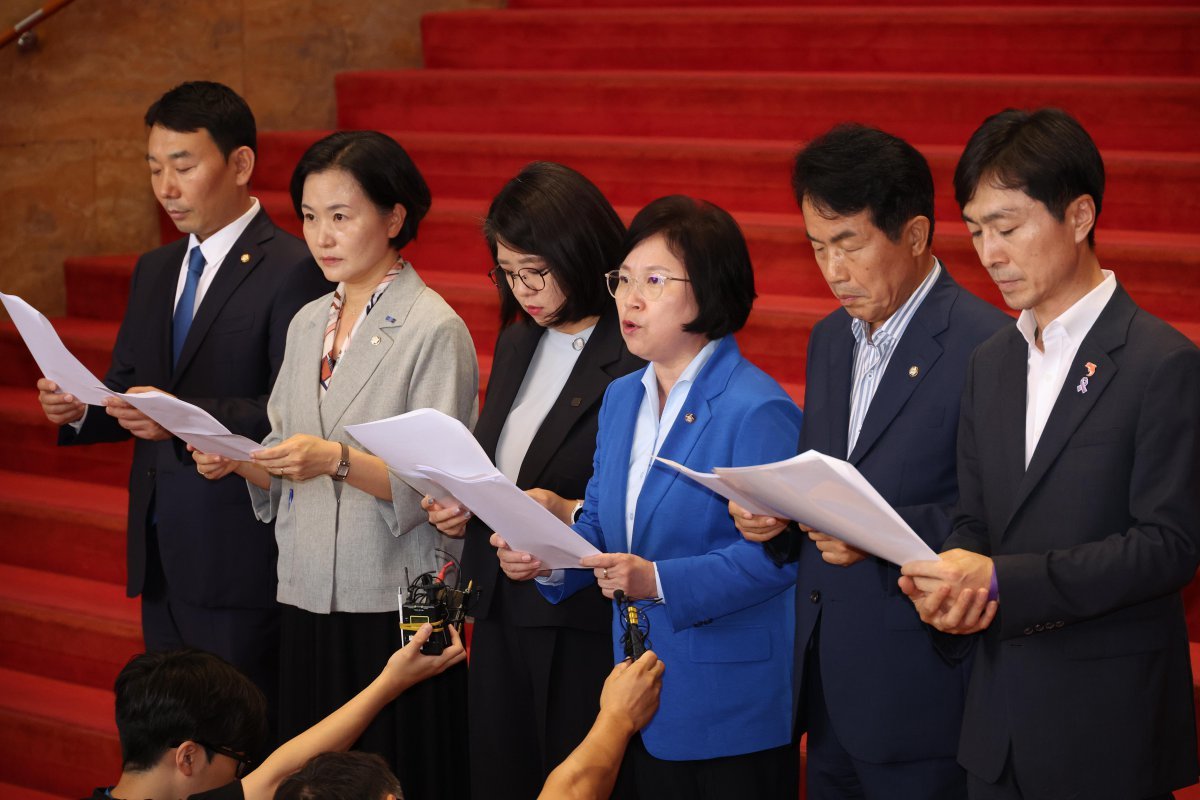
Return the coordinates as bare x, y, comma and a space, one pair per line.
57, 736
991, 40
75, 528
1144, 190
66, 628
920, 107
90, 340
10, 791
30, 441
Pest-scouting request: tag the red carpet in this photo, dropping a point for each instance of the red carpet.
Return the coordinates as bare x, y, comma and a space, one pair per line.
707, 97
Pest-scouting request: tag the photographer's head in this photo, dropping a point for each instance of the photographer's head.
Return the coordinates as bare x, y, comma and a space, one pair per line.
189, 716
342, 776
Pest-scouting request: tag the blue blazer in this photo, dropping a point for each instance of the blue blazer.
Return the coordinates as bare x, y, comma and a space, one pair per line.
725, 630
889, 693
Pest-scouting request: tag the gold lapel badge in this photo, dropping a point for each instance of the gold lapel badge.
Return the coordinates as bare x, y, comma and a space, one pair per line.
374, 340
245, 258
914, 371
689, 417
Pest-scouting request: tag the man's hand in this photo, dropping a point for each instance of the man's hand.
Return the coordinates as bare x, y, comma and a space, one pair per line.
557, 505
951, 594
834, 551
135, 421
517, 566
450, 521
300, 457
630, 694
408, 667
59, 408
755, 528
631, 574
211, 466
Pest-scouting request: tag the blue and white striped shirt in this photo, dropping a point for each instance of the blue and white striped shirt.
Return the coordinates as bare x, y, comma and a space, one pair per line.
872, 352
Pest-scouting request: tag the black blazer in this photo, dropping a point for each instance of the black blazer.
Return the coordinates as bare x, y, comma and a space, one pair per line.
559, 459
214, 552
1085, 670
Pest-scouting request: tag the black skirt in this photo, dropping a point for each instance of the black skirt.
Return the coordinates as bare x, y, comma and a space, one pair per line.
326, 659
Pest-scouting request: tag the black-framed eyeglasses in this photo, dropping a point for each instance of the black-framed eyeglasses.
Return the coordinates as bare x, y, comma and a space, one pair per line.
244, 764
650, 286
533, 278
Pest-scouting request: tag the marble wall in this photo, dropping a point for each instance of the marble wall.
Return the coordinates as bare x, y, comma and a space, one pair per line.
72, 146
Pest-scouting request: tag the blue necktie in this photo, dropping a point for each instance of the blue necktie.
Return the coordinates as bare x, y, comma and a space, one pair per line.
187, 302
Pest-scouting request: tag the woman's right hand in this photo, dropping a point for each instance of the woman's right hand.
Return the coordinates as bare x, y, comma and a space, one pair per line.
451, 521
517, 566
212, 467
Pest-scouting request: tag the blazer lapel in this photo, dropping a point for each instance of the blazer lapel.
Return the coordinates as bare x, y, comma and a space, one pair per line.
240, 261
614, 474
583, 389
837, 395
1073, 403
520, 343
370, 344
684, 435
162, 311
917, 349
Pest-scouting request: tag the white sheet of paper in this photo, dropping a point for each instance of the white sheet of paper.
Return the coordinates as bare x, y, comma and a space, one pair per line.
830, 495
717, 484
193, 425
521, 520
436, 455
52, 356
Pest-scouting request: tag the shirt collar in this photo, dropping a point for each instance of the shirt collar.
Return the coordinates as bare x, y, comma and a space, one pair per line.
1077, 320
650, 378
893, 328
217, 246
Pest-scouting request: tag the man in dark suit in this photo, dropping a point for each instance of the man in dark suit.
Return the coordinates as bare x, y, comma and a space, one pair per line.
206, 321
884, 377
1079, 517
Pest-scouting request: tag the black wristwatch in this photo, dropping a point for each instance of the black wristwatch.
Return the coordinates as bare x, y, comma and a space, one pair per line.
343, 467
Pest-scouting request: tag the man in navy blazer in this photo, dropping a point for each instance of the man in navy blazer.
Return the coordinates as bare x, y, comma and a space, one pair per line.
1079, 517
206, 321
884, 378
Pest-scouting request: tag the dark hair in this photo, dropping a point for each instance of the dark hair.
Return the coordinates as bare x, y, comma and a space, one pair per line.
552, 211
853, 168
213, 107
711, 246
341, 776
382, 168
1045, 153
165, 698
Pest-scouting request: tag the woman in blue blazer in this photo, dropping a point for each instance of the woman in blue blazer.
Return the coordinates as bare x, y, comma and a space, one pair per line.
723, 627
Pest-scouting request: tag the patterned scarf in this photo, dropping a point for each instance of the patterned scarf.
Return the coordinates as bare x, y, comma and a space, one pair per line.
330, 360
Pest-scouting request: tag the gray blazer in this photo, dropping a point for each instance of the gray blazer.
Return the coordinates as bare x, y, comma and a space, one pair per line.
341, 549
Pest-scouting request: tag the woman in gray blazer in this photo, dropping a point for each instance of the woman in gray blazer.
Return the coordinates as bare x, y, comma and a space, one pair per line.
351, 534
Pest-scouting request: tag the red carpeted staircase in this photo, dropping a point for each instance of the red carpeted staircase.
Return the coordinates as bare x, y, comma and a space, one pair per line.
706, 97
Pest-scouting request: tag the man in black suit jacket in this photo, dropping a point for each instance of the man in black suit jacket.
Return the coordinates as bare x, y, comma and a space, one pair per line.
204, 566
1079, 478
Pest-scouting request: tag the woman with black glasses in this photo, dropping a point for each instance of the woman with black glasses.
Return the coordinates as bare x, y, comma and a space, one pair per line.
537, 669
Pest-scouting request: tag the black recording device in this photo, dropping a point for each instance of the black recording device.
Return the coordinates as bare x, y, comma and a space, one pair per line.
430, 599
634, 624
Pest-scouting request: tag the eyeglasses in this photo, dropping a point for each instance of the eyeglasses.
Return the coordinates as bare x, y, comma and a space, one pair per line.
534, 279
243, 763
650, 287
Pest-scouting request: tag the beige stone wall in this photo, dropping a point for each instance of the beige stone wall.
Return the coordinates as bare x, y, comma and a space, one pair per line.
72, 175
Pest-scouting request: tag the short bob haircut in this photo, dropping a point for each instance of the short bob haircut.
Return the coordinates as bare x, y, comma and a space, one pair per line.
1045, 153
341, 776
213, 107
854, 168
166, 698
553, 212
713, 250
382, 168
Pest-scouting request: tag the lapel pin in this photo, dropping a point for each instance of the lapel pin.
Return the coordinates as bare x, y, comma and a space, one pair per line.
374, 340
1091, 368
245, 258
914, 371
689, 417
1082, 387
576, 402
390, 318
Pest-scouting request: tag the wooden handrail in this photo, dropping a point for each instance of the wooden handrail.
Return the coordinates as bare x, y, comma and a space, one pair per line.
32, 21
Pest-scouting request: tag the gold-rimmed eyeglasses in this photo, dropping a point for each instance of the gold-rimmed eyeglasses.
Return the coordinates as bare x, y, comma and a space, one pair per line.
649, 286
533, 278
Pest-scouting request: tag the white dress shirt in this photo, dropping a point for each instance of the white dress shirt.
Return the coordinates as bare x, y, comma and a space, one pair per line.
214, 248
551, 365
1048, 368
